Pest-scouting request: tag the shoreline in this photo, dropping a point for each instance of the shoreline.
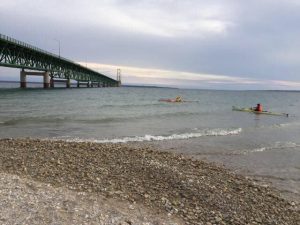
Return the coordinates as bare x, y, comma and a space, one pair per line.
188, 190
246, 163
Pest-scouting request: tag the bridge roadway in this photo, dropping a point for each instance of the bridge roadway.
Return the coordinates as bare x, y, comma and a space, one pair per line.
53, 68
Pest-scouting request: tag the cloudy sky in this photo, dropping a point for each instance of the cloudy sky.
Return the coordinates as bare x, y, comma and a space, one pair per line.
229, 44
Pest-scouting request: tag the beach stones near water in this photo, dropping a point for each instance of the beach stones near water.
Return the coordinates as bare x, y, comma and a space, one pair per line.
196, 192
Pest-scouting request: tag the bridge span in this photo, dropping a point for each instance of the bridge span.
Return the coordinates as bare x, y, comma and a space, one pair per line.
53, 68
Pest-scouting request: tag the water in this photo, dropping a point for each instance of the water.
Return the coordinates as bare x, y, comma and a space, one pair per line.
266, 147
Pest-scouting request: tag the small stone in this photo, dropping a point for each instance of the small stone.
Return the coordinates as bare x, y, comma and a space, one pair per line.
131, 207
218, 219
258, 219
146, 196
292, 203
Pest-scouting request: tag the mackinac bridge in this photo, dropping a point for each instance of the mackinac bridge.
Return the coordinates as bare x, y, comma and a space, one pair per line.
33, 61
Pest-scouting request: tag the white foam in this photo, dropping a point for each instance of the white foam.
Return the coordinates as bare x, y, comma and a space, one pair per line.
277, 145
286, 145
282, 125
147, 137
259, 149
246, 152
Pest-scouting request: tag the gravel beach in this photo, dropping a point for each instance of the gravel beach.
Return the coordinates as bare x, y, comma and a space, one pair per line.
56, 182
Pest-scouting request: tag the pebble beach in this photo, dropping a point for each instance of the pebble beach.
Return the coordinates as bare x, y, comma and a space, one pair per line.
57, 182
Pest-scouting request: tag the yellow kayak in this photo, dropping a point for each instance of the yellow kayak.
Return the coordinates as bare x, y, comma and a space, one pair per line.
250, 110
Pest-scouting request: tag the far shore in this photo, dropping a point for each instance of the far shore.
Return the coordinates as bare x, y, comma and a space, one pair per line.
173, 188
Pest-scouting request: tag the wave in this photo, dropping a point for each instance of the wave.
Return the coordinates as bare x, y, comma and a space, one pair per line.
130, 105
257, 150
141, 105
147, 137
93, 119
282, 125
288, 144
277, 145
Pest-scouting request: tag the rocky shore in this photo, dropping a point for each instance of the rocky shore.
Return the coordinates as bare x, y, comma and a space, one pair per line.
173, 188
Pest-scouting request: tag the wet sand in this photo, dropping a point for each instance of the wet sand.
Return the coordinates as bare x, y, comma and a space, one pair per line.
176, 188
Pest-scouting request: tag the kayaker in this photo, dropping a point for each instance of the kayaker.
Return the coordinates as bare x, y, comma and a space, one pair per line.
178, 99
258, 108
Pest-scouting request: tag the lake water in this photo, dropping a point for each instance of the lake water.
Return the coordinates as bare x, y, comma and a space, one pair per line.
264, 146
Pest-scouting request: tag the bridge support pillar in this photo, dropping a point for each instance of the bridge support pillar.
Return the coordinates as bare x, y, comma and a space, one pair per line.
68, 83
46, 80
51, 82
22, 79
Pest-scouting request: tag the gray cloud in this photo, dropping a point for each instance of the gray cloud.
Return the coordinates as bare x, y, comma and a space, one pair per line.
254, 39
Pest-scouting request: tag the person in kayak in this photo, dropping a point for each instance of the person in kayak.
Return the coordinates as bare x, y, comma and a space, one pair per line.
258, 108
178, 99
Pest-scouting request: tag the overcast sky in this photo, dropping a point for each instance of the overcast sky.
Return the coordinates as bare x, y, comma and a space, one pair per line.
228, 44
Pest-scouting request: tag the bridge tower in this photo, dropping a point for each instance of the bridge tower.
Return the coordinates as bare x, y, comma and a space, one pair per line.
119, 77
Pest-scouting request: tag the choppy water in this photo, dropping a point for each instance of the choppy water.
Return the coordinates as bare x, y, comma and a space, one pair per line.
262, 145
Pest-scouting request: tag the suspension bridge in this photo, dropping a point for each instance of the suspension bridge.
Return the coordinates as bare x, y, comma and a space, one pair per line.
33, 61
